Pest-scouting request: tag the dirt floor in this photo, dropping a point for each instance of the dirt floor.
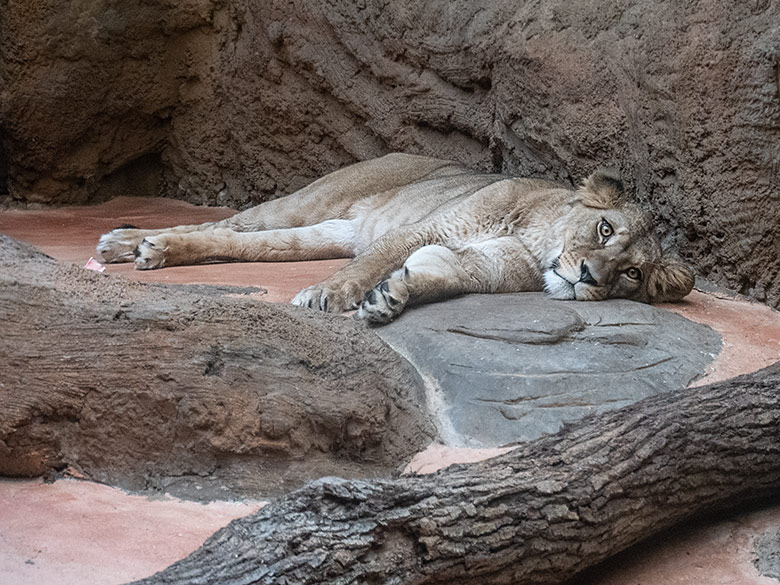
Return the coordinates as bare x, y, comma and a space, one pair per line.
76, 532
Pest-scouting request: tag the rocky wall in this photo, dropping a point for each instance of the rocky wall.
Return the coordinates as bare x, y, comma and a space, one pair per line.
3, 173
235, 103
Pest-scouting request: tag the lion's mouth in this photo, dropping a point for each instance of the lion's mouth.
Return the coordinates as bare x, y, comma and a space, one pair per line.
559, 287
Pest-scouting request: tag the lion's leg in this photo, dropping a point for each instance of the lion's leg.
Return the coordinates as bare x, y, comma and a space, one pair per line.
329, 239
293, 211
435, 272
119, 244
328, 198
431, 273
345, 289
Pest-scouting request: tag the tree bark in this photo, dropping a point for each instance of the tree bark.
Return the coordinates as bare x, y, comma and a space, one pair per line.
201, 391
539, 514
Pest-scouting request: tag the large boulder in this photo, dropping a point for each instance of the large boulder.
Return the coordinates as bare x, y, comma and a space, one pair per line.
240, 102
200, 391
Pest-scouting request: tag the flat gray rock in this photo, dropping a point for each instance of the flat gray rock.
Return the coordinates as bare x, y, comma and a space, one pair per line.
768, 554
507, 368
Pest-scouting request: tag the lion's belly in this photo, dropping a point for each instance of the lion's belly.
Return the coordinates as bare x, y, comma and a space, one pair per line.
381, 213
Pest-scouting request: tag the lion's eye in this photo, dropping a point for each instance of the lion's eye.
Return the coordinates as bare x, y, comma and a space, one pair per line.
634, 273
605, 229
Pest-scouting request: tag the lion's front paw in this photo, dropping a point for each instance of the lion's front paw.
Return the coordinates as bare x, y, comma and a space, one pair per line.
385, 301
150, 253
118, 244
331, 299
321, 298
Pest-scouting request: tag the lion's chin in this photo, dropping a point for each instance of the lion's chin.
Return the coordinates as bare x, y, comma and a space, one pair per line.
558, 287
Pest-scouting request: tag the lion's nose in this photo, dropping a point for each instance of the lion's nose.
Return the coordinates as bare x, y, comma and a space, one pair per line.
585, 276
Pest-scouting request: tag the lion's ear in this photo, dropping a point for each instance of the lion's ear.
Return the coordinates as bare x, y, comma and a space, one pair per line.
669, 281
602, 190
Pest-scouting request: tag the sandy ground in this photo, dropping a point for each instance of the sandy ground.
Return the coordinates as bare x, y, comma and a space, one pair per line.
76, 532
704, 553
73, 532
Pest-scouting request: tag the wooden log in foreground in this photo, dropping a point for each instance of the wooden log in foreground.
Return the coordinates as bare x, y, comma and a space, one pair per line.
539, 514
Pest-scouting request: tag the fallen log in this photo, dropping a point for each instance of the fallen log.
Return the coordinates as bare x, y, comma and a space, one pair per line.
539, 514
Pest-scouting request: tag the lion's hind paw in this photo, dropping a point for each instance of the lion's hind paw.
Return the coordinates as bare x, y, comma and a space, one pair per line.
119, 244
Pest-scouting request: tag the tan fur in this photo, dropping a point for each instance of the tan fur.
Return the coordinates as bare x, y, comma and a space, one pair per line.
422, 229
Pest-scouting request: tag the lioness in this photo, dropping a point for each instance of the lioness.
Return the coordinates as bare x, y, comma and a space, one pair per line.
422, 229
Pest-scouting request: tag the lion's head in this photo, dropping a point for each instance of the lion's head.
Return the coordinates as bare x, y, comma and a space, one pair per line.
608, 248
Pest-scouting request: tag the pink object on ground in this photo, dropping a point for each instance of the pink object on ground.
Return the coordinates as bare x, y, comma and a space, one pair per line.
93, 264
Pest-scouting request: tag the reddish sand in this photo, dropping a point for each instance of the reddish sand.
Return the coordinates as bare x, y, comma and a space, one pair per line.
77, 532
750, 332
716, 553
70, 234
81, 533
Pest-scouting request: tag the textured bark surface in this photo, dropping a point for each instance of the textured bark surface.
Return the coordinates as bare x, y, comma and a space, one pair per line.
192, 389
239, 102
536, 515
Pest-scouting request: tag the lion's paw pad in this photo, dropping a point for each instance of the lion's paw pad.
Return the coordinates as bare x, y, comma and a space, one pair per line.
384, 302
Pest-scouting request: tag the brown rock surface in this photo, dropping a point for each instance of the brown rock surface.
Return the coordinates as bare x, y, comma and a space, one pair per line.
236, 103
189, 390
